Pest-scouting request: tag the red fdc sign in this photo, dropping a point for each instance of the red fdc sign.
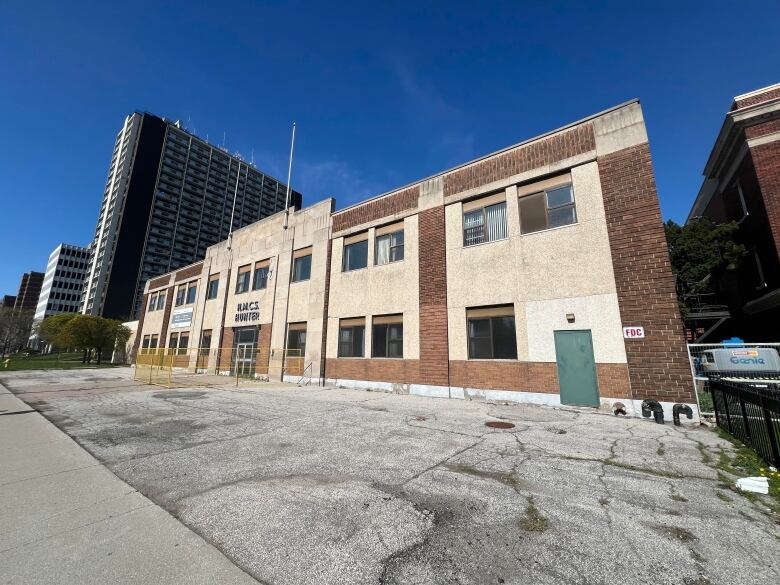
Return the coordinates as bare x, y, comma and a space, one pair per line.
633, 332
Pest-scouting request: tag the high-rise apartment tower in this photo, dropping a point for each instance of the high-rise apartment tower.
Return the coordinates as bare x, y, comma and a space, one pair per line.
169, 195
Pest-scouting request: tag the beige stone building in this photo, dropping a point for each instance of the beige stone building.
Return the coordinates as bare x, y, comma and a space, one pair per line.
537, 273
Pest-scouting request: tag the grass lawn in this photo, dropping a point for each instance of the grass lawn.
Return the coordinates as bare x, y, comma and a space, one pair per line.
52, 361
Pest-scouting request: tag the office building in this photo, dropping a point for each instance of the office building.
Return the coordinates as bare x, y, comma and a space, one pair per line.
742, 184
9, 301
169, 195
29, 289
538, 273
62, 283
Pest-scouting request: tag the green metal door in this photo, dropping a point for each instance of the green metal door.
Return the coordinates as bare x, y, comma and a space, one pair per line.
576, 368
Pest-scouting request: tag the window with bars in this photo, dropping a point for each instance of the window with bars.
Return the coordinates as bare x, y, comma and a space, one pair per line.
547, 209
491, 333
484, 224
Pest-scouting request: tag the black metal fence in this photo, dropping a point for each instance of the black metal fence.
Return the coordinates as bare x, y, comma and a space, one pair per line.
750, 411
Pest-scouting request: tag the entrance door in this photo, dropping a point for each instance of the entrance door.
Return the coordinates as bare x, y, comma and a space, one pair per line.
245, 353
576, 368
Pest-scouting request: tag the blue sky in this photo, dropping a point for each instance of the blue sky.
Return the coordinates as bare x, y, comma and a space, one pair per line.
383, 94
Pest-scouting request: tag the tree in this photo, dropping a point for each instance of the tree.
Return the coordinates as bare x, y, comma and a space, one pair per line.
53, 330
15, 327
94, 334
700, 250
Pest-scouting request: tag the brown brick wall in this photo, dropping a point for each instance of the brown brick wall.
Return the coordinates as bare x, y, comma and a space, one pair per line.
658, 365
189, 272
374, 370
225, 353
263, 348
762, 129
757, 99
377, 209
545, 151
166, 317
434, 344
160, 281
613, 380
499, 375
325, 305
766, 159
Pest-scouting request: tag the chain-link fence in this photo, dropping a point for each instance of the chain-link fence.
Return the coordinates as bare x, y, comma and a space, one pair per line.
754, 364
177, 368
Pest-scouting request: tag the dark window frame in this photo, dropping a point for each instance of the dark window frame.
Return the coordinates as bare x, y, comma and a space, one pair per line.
389, 341
243, 279
212, 287
490, 338
351, 352
296, 262
547, 208
345, 256
181, 294
192, 292
264, 279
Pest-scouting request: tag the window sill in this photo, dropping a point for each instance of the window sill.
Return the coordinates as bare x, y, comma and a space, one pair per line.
390, 263
343, 357
485, 243
397, 359
552, 229
299, 281
492, 360
353, 270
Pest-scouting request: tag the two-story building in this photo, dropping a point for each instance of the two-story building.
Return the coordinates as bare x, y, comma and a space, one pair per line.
538, 273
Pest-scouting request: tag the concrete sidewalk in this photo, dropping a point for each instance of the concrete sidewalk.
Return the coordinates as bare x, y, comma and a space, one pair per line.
67, 519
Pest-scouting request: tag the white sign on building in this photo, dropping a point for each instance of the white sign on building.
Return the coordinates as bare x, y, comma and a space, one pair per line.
181, 318
633, 332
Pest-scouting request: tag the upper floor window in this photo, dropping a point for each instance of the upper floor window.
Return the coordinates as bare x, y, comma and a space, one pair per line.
389, 244
355, 252
301, 265
161, 301
491, 333
387, 337
153, 302
181, 294
261, 275
548, 208
242, 281
212, 288
484, 220
351, 336
192, 291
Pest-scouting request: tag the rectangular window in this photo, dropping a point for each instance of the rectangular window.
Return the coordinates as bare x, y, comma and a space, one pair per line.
389, 244
181, 292
192, 291
145, 344
242, 281
153, 342
205, 341
301, 265
261, 275
387, 337
355, 253
296, 339
491, 333
184, 340
173, 342
484, 220
161, 301
212, 288
153, 302
351, 334
553, 207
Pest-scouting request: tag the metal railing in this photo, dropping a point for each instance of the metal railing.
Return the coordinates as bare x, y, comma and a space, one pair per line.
750, 411
172, 367
731, 362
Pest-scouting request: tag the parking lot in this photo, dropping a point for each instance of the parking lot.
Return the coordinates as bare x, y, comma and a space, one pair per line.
327, 485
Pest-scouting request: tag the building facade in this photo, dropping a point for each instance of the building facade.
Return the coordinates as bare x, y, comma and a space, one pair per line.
169, 195
742, 184
511, 277
9, 301
29, 290
62, 283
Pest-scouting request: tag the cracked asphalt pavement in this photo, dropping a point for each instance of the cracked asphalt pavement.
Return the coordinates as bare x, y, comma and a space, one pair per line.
325, 485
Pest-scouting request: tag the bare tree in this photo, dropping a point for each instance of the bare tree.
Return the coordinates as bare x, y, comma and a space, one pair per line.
15, 327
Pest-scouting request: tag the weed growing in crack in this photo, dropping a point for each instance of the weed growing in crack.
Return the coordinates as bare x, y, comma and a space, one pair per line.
722, 496
533, 520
